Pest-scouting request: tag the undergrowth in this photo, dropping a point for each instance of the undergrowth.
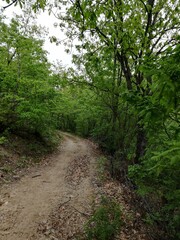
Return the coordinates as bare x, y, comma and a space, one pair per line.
20, 151
105, 222
101, 165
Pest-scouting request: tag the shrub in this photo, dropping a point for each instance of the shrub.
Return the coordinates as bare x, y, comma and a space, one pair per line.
105, 222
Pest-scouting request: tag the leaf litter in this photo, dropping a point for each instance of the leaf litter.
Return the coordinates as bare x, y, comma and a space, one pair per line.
67, 221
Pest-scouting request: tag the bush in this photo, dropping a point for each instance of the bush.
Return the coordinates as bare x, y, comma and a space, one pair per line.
3, 140
105, 222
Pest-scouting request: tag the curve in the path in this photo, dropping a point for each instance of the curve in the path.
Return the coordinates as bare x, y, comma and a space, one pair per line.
30, 200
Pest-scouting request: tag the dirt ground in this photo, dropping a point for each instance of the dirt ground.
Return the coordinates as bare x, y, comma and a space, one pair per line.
55, 199
26, 204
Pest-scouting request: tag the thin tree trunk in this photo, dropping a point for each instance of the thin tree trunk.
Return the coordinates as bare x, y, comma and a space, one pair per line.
140, 144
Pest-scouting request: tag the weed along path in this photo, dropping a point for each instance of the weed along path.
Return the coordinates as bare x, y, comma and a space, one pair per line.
51, 197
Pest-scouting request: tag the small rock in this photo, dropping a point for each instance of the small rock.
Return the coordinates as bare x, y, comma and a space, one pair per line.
1, 202
16, 177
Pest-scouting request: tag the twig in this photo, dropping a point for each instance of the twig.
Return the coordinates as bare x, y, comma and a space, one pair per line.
38, 175
10, 4
85, 214
65, 202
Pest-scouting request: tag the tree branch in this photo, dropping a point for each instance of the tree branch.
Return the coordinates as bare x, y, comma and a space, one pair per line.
166, 44
11, 58
164, 31
102, 34
148, 26
144, 5
10, 4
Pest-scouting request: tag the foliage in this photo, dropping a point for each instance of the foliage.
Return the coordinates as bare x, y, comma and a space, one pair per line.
130, 62
124, 93
28, 97
101, 164
105, 222
3, 140
159, 172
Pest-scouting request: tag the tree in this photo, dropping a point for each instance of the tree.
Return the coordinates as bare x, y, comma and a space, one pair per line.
136, 32
125, 92
157, 177
27, 93
35, 4
135, 38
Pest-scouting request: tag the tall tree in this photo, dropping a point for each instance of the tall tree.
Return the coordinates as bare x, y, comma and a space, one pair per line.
27, 92
136, 32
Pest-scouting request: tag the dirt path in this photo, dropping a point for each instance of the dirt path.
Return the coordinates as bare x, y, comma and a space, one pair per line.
26, 204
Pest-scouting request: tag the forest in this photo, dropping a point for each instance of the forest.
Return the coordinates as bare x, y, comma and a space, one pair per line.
123, 93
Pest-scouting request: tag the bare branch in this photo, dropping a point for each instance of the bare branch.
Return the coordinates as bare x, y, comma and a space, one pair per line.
13, 2
106, 39
164, 31
166, 45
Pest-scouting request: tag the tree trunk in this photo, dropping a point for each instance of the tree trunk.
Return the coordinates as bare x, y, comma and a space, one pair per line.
140, 144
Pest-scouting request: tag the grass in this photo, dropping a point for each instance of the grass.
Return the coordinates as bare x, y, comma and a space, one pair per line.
101, 164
